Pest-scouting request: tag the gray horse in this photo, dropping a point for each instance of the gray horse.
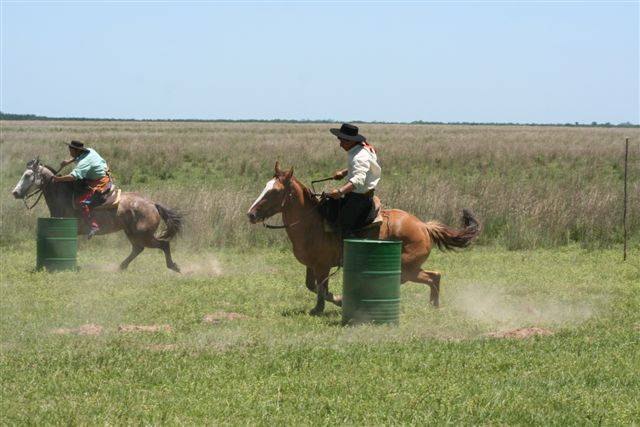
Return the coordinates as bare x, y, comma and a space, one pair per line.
138, 217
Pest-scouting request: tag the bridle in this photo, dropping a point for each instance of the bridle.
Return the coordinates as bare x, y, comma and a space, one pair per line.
40, 189
290, 196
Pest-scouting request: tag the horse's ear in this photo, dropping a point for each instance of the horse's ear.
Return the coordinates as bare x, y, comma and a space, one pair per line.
277, 169
288, 175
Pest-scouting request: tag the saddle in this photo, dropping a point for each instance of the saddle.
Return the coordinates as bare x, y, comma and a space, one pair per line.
109, 199
377, 210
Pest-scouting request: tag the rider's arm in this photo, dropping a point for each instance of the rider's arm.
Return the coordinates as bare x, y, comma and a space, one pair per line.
65, 178
347, 188
66, 162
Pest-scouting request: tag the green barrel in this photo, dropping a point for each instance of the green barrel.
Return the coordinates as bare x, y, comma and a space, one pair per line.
57, 246
371, 285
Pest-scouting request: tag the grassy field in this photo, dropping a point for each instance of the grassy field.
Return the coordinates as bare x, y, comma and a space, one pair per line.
279, 365
549, 257
530, 186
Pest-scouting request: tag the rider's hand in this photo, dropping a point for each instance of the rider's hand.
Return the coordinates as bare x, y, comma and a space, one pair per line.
338, 175
335, 194
64, 163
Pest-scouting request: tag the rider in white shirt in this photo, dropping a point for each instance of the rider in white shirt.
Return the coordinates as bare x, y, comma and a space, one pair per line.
351, 205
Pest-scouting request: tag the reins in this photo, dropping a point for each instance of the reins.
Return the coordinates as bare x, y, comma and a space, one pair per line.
24, 199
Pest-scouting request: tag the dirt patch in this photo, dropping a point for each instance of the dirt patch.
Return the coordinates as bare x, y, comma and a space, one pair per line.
220, 316
520, 333
145, 328
89, 329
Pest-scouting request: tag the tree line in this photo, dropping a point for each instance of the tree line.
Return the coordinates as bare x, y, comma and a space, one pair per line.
10, 116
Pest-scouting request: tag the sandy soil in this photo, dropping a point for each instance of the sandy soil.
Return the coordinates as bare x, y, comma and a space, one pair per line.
520, 333
220, 316
144, 328
88, 329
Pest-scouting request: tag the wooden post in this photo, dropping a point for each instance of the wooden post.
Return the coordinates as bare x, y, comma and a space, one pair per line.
624, 215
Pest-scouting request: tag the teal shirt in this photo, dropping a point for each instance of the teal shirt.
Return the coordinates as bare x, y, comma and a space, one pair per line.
89, 166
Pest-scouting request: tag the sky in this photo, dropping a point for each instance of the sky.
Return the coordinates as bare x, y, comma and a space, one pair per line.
544, 62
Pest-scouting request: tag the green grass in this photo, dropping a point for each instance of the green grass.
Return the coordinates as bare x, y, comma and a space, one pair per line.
280, 365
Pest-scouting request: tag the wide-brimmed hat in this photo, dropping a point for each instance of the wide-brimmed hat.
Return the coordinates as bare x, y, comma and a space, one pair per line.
349, 132
77, 145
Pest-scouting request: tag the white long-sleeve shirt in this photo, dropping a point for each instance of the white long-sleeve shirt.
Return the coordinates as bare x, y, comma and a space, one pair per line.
364, 170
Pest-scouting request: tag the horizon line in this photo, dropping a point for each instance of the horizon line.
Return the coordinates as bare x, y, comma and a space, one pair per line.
35, 117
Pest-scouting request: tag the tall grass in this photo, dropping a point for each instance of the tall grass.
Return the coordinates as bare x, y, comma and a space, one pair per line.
530, 186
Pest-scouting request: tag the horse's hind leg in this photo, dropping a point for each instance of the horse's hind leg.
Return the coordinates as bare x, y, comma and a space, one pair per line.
431, 278
135, 251
165, 246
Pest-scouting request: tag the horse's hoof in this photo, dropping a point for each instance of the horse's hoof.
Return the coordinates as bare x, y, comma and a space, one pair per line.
316, 311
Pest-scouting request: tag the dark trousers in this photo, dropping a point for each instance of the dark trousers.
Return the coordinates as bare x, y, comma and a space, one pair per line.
351, 212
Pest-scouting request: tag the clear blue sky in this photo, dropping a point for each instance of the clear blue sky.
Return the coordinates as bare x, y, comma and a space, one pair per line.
503, 62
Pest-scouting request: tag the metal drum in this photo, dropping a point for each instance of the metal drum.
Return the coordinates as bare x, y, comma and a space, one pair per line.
371, 285
57, 246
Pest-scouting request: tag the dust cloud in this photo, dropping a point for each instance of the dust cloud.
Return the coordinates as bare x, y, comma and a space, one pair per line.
201, 265
491, 305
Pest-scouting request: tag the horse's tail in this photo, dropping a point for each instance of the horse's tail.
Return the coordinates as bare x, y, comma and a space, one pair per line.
447, 238
173, 221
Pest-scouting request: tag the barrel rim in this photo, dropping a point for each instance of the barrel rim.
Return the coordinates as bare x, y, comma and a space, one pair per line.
376, 241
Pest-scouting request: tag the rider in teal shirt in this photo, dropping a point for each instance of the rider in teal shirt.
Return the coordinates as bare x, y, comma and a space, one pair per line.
89, 165
94, 172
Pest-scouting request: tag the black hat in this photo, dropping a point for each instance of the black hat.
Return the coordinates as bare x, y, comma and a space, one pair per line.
348, 132
77, 145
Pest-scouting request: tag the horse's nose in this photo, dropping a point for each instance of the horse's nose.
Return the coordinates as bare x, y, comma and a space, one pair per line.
15, 193
252, 217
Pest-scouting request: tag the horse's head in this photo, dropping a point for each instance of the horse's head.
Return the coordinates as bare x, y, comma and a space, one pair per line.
31, 178
273, 197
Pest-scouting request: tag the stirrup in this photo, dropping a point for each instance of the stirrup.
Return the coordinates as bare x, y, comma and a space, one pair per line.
92, 232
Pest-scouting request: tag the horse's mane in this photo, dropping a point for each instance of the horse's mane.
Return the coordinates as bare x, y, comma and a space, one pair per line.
307, 193
69, 185
50, 168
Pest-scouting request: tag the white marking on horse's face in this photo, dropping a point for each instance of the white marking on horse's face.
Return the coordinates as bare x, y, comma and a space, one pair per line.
26, 181
267, 187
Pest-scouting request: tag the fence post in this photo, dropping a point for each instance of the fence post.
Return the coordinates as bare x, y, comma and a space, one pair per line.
624, 215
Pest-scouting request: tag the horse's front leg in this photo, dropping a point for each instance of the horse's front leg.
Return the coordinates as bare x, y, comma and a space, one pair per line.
322, 286
312, 286
310, 280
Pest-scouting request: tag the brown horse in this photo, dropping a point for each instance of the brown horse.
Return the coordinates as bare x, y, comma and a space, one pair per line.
319, 250
137, 216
